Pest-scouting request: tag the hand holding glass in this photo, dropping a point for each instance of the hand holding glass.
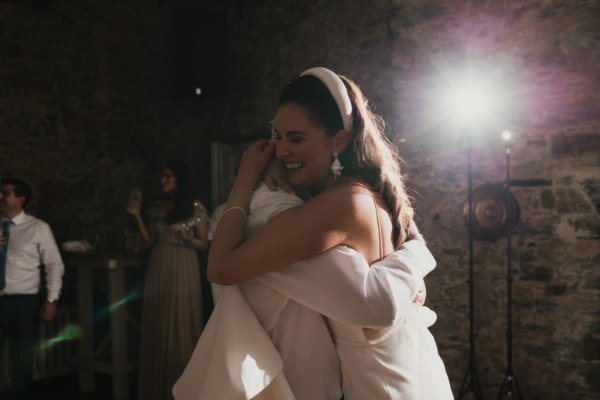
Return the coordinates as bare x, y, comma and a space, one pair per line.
134, 205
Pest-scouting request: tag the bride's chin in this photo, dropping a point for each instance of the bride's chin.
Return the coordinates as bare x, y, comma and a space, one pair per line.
294, 178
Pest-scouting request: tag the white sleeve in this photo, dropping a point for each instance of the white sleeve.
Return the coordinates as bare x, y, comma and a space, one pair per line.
53, 263
340, 284
266, 204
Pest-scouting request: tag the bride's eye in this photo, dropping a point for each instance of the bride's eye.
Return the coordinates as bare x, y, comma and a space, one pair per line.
275, 136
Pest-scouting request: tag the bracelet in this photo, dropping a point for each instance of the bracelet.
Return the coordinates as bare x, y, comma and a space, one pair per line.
235, 208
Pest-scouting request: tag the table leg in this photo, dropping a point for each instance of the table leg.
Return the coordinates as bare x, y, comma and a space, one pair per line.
86, 314
118, 332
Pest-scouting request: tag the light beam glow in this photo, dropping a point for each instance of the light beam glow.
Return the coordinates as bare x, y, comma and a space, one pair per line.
106, 311
70, 332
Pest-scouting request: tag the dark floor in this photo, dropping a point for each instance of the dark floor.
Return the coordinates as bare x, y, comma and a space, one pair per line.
67, 388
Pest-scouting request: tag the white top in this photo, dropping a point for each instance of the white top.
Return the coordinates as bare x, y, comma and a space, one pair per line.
300, 335
31, 244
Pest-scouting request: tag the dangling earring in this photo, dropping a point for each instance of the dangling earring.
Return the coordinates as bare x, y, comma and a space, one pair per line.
336, 167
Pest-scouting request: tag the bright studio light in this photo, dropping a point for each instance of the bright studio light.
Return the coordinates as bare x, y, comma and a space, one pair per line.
507, 135
469, 101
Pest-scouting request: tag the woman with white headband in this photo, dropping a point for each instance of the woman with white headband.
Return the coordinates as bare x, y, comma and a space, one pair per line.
333, 147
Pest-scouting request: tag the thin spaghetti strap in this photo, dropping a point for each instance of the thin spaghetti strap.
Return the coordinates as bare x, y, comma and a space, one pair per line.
378, 229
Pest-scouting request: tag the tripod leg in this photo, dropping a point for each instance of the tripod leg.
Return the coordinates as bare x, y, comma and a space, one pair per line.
517, 389
502, 387
463, 387
476, 385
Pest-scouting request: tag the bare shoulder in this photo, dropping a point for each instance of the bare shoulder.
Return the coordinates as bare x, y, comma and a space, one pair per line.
344, 202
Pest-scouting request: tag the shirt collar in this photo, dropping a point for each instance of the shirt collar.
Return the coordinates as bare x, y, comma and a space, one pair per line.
18, 219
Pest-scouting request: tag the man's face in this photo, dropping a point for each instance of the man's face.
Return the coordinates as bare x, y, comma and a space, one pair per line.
10, 205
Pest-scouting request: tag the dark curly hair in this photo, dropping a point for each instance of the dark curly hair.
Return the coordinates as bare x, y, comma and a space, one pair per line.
183, 195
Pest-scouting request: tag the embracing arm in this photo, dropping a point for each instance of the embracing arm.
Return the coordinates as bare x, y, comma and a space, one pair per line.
291, 236
295, 234
340, 284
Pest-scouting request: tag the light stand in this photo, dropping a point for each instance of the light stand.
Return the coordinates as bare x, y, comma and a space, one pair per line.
471, 380
510, 386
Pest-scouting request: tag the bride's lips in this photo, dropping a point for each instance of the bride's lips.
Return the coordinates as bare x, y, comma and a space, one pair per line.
293, 166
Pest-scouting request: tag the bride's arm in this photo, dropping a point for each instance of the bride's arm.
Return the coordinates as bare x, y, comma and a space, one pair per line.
293, 235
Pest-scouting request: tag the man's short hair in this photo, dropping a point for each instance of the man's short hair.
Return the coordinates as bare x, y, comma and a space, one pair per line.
22, 188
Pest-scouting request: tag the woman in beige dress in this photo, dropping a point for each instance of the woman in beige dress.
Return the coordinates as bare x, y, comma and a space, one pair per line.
172, 311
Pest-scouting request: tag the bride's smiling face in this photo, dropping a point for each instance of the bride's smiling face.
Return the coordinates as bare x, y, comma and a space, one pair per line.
305, 148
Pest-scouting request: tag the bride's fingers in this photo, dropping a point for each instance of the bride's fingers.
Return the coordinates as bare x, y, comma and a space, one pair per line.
257, 156
260, 150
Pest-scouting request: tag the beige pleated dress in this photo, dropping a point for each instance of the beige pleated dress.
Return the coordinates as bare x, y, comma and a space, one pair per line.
172, 310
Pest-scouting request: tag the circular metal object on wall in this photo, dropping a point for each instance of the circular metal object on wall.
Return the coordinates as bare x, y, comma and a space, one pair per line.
494, 213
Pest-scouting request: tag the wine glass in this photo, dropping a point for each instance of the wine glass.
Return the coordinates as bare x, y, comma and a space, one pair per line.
135, 196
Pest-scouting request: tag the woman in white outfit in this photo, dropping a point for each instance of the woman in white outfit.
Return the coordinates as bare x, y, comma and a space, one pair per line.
332, 145
290, 343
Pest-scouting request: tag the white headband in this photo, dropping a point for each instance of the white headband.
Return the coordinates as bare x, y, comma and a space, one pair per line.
337, 89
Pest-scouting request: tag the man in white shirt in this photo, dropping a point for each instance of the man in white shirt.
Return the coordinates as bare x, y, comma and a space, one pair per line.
25, 244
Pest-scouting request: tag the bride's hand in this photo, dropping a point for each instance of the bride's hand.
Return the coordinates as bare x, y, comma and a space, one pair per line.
256, 158
275, 176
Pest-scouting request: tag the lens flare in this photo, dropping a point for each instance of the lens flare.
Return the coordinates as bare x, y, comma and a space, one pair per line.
106, 311
70, 332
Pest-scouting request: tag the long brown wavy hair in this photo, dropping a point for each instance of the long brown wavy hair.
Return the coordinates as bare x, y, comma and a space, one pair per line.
370, 158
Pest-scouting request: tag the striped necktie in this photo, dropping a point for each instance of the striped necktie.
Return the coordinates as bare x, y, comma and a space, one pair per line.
6, 225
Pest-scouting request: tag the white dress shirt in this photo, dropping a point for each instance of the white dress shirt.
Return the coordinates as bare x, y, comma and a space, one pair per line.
30, 245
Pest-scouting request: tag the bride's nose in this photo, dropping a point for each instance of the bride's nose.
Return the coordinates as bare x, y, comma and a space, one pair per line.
281, 149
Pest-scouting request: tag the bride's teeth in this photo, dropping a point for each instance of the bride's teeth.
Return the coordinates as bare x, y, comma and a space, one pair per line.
293, 165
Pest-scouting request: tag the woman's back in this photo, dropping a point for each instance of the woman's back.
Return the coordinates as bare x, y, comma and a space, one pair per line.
395, 362
371, 231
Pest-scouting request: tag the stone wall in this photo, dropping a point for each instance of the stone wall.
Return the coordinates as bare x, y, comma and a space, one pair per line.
87, 112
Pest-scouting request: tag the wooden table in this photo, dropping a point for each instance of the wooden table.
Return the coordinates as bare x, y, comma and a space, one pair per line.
88, 361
